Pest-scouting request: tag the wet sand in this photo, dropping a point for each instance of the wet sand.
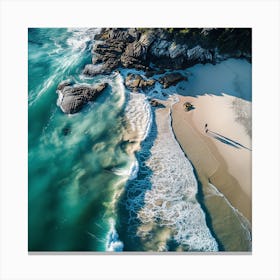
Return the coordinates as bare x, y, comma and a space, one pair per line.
221, 157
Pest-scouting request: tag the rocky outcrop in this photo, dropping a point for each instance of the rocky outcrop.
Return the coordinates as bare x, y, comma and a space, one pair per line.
135, 55
136, 81
131, 48
199, 55
151, 49
72, 97
171, 79
108, 51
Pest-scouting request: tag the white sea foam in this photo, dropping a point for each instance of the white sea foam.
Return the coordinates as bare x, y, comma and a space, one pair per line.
81, 37
171, 200
138, 115
120, 89
113, 243
134, 168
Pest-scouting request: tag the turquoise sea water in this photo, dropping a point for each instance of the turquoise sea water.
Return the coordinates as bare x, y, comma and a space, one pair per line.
85, 192
70, 158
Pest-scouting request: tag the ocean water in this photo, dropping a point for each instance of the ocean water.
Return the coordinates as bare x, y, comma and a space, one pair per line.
88, 190
71, 158
161, 205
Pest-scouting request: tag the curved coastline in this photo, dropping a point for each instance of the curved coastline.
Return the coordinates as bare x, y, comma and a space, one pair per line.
229, 206
135, 147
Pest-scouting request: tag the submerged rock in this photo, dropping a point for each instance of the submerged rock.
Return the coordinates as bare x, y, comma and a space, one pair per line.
171, 79
66, 130
72, 98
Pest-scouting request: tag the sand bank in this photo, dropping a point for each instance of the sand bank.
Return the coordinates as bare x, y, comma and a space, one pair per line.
221, 157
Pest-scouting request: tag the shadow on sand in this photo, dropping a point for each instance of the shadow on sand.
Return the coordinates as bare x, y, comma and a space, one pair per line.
226, 140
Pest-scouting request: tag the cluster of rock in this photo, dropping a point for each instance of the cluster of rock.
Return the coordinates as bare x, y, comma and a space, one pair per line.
136, 81
171, 79
130, 48
72, 97
152, 50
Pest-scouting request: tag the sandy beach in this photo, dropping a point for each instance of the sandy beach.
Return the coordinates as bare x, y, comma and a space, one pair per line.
221, 157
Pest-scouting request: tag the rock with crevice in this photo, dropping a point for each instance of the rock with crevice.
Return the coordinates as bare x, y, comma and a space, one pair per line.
171, 79
136, 81
135, 54
72, 97
199, 54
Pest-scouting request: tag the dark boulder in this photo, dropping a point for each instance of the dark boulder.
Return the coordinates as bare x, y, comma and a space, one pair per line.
64, 84
171, 79
107, 53
72, 98
156, 103
136, 81
135, 54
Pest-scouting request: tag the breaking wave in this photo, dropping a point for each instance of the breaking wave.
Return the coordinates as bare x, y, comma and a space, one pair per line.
138, 115
113, 243
166, 208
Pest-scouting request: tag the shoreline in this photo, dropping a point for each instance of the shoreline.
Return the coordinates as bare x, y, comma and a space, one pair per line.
218, 165
164, 198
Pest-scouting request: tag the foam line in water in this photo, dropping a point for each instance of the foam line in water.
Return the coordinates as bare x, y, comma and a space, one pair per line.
64, 59
113, 243
171, 201
80, 37
138, 115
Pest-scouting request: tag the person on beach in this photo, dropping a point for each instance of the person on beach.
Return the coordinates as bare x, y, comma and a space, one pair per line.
205, 127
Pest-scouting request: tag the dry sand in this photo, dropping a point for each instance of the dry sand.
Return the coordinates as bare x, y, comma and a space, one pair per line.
222, 157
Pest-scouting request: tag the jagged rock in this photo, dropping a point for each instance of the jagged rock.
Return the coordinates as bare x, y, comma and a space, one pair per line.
110, 46
64, 84
176, 50
135, 81
135, 55
120, 34
72, 98
107, 53
198, 54
161, 48
171, 79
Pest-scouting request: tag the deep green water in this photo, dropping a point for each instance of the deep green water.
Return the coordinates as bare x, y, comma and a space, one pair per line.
71, 185
81, 192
